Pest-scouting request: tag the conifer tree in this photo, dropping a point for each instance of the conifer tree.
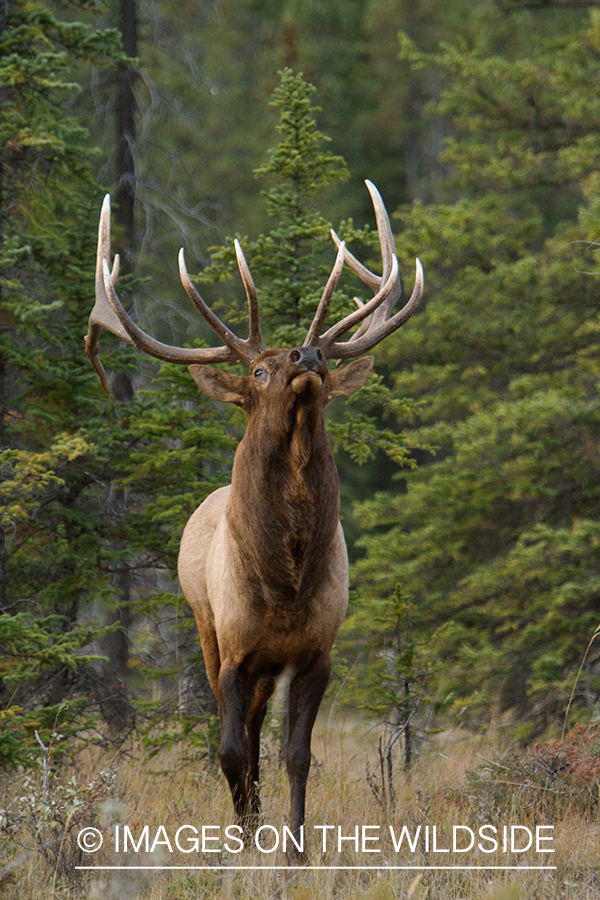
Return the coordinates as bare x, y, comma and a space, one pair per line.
45, 255
496, 538
65, 447
285, 261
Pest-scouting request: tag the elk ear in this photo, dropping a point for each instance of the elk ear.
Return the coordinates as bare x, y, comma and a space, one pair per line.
343, 382
220, 385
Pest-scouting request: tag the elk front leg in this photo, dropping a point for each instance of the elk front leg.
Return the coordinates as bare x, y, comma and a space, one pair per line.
306, 693
234, 703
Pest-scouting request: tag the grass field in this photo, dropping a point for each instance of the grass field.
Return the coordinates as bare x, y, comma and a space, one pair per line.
112, 791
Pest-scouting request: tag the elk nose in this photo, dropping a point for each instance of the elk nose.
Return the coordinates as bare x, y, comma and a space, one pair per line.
308, 357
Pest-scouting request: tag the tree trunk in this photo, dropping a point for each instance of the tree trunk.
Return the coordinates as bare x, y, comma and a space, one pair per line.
116, 707
125, 110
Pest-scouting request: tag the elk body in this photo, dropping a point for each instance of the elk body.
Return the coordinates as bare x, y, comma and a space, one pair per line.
263, 561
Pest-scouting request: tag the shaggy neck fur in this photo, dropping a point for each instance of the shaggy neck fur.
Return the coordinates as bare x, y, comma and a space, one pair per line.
284, 504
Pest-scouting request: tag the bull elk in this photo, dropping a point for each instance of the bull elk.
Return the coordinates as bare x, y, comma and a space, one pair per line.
263, 561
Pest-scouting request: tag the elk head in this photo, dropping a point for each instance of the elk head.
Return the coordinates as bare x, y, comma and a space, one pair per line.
375, 320
285, 392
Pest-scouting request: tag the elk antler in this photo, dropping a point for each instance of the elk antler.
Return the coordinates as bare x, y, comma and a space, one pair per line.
376, 315
108, 312
374, 318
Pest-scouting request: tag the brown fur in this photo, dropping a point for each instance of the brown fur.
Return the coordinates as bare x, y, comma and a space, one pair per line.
263, 562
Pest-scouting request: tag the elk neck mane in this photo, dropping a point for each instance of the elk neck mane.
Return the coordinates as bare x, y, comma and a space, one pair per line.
284, 504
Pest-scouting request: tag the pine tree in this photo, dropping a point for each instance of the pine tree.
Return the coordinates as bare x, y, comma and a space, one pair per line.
285, 261
65, 447
45, 254
496, 537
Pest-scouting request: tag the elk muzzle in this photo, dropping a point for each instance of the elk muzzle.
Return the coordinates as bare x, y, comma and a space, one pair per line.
312, 369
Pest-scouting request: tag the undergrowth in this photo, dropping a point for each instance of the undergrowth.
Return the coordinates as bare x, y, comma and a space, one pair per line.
547, 780
554, 782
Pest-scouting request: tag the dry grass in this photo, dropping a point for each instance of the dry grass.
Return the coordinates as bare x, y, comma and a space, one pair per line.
171, 793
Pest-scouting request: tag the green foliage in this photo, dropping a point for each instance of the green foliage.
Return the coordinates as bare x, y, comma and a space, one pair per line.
47, 540
495, 540
299, 169
285, 262
173, 452
30, 657
525, 123
383, 630
496, 537
87, 485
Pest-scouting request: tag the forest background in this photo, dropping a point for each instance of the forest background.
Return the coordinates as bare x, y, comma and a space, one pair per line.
469, 466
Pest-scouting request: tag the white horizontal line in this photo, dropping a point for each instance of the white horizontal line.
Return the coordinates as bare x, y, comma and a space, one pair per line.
299, 868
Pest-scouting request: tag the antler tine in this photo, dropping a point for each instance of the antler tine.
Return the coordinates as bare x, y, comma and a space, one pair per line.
254, 333
102, 315
354, 318
373, 281
384, 230
386, 243
365, 324
317, 323
365, 275
378, 330
376, 315
242, 351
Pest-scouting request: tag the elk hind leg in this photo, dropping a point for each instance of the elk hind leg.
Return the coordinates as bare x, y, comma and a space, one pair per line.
256, 717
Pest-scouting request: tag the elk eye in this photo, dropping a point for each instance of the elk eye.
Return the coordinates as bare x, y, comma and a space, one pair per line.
261, 377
